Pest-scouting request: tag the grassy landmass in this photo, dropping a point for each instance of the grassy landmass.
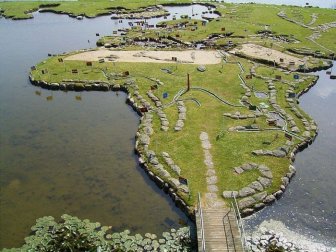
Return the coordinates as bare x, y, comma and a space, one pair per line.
22, 10
230, 148
279, 27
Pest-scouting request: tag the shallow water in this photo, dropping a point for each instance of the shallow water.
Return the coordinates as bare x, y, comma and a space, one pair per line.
261, 95
280, 121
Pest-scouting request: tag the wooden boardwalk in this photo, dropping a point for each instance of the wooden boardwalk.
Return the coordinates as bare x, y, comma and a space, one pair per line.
220, 230
217, 226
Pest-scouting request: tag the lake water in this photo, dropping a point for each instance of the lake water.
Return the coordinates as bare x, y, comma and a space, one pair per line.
73, 152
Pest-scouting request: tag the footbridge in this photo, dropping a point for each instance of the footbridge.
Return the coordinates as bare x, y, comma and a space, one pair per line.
219, 228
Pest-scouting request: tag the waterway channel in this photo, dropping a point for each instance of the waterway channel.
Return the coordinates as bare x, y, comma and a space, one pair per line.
73, 152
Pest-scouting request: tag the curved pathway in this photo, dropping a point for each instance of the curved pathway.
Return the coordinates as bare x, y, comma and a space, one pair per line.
216, 96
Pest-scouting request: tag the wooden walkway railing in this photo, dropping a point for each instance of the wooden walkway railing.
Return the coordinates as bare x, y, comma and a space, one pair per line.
218, 229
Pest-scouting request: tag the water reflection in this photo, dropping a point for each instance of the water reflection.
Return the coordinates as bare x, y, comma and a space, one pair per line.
326, 92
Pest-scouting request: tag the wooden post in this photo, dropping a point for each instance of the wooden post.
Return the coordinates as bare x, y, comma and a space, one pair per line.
188, 88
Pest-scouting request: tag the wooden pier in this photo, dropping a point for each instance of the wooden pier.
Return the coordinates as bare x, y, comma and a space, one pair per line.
218, 230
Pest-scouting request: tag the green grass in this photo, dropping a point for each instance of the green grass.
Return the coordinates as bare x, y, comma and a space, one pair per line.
18, 10
328, 39
282, 87
60, 71
22, 9
230, 150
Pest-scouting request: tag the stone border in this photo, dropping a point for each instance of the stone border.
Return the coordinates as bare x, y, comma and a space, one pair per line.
297, 51
182, 115
253, 197
286, 179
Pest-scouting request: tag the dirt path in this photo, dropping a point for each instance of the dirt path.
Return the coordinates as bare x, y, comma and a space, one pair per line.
184, 57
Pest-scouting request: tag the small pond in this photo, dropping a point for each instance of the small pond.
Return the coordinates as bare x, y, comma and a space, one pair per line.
261, 95
279, 120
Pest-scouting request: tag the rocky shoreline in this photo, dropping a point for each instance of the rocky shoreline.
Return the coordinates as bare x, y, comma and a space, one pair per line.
275, 236
269, 239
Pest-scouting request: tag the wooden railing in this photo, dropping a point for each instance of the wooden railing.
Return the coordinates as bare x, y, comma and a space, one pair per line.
200, 213
239, 222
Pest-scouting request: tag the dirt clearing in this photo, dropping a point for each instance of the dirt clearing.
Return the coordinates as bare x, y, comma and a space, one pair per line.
184, 57
260, 52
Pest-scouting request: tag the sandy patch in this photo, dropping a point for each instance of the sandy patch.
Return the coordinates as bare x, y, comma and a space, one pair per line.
184, 57
260, 52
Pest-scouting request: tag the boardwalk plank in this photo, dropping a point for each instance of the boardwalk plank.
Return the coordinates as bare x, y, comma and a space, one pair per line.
219, 235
